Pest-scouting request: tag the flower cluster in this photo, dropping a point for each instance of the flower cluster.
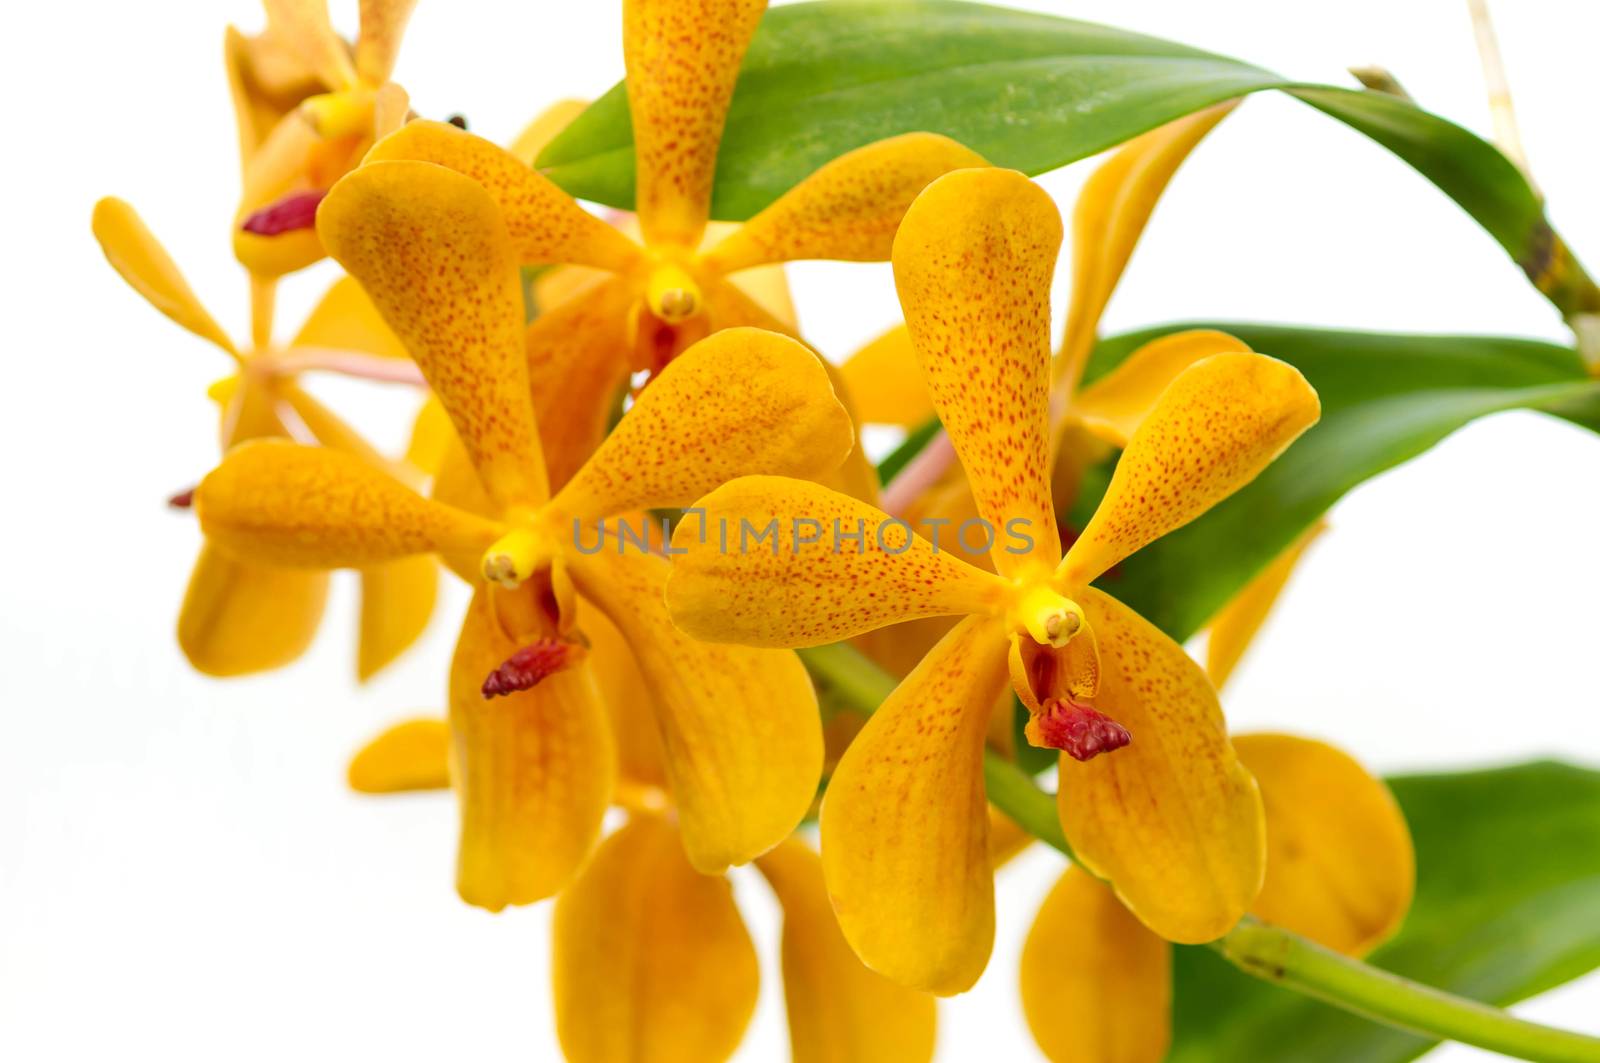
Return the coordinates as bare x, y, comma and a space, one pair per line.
656, 385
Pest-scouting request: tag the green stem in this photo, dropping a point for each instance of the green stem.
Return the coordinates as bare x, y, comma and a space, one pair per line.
1270, 953
1287, 959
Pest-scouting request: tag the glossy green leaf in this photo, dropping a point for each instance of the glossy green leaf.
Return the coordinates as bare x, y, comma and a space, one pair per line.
1033, 92
1385, 399
1507, 905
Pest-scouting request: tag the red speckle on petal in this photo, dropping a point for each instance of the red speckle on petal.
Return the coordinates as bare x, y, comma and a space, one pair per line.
1077, 730
534, 662
298, 210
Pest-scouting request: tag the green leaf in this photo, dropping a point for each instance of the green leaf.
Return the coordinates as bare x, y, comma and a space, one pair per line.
1028, 91
1385, 399
1507, 905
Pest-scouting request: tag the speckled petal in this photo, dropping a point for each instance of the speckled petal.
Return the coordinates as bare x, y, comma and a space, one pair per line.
1096, 985
849, 209
533, 769
803, 583
682, 58
276, 502
1172, 820
429, 247
1214, 429
973, 263
839, 1011
740, 402
740, 736
651, 962
546, 225
905, 827
138, 256
1109, 218
413, 755
383, 24
1340, 867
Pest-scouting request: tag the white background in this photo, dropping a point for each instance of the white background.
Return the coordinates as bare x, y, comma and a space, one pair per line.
182, 872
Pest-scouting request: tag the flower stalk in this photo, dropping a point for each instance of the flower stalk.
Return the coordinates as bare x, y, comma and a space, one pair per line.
1263, 951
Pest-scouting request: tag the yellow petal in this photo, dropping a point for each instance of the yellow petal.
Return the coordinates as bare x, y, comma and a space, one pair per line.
769, 287
972, 264
631, 708
1214, 429
1111, 214
1096, 985
280, 503
396, 604
1340, 867
240, 618
849, 209
138, 256
682, 58
771, 561
729, 306
1114, 406
414, 755
383, 24
429, 247
651, 962
1007, 840
740, 402
1233, 629
303, 25
546, 225
265, 81
292, 159
391, 106
886, 381
543, 129
431, 437
345, 319
839, 1011
533, 770
1172, 820
577, 367
905, 827
740, 734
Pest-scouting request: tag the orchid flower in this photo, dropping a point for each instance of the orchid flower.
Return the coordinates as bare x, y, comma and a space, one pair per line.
240, 617
1172, 820
652, 959
674, 287
326, 103
1097, 984
534, 766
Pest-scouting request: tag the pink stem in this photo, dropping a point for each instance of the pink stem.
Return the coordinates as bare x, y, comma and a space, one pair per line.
919, 474
352, 364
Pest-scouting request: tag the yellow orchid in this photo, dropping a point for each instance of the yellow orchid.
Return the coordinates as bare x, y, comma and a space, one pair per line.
674, 288
651, 959
240, 617
534, 767
1096, 983
1108, 218
326, 103
904, 825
